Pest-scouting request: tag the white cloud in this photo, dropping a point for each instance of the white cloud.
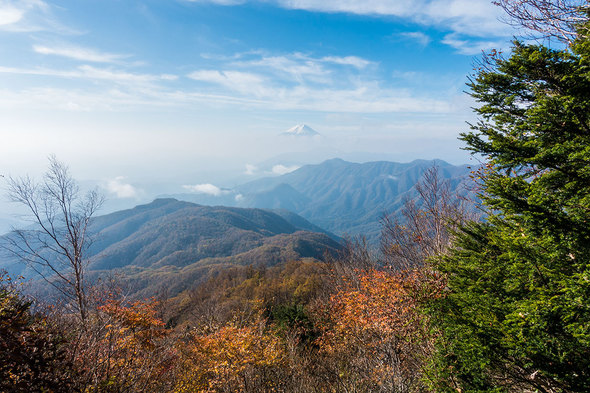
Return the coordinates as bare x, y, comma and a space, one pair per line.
282, 169
220, 2
121, 189
366, 7
291, 82
354, 61
417, 36
367, 99
206, 188
27, 16
250, 169
239, 197
302, 82
479, 18
470, 47
90, 72
299, 67
119, 76
474, 17
168, 77
9, 14
79, 53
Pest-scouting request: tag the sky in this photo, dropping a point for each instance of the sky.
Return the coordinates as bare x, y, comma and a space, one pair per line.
141, 97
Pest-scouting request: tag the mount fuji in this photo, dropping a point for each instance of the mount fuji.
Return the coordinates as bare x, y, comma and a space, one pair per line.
301, 130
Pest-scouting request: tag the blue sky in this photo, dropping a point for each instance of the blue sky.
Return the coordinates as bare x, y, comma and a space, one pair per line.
136, 95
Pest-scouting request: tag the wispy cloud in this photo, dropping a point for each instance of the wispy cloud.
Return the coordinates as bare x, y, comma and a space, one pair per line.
299, 67
471, 47
91, 72
359, 97
474, 18
354, 61
119, 89
220, 2
292, 81
417, 36
242, 82
295, 67
79, 53
28, 16
87, 71
366, 7
477, 18
206, 188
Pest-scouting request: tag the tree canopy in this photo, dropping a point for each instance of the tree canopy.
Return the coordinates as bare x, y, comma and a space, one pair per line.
516, 315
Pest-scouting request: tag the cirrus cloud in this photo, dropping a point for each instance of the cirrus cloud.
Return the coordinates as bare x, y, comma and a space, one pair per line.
472, 17
79, 53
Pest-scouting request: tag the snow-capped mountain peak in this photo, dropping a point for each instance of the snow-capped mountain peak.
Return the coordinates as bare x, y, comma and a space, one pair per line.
301, 130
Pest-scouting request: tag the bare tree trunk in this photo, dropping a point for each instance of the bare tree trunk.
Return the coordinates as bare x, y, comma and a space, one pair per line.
56, 245
424, 228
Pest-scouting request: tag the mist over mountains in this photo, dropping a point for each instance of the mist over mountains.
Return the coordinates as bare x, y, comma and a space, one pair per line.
342, 197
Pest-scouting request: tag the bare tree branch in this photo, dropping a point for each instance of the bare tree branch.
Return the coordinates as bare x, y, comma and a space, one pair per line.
423, 230
547, 18
55, 247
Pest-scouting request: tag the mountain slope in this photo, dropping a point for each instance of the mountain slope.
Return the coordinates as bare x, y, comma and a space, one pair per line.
171, 232
174, 244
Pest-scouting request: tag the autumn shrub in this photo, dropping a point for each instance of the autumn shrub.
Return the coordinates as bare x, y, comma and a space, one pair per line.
374, 337
231, 359
126, 348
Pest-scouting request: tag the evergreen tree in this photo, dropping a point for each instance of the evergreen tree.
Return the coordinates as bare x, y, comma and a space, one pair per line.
516, 316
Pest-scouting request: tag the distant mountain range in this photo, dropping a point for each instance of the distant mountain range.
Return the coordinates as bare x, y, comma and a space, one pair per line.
174, 244
342, 197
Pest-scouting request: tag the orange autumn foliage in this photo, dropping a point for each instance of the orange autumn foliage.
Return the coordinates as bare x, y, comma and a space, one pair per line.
133, 326
374, 331
129, 351
231, 359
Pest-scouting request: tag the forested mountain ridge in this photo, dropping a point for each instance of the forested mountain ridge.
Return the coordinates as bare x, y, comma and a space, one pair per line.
342, 197
174, 243
143, 236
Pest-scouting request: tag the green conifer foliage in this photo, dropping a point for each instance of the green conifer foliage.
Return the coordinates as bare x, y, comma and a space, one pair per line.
517, 312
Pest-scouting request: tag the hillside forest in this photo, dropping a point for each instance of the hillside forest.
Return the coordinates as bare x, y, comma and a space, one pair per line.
491, 297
